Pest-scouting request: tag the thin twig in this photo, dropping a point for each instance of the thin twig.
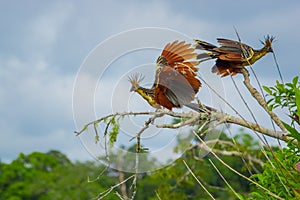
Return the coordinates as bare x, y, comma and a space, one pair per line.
111, 115
226, 153
236, 146
235, 193
238, 173
106, 192
260, 99
203, 187
236, 153
147, 123
262, 102
200, 117
259, 85
117, 193
246, 123
157, 195
133, 186
194, 118
248, 108
99, 175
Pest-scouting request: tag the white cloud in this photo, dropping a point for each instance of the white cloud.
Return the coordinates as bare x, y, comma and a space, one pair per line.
45, 28
36, 105
36, 94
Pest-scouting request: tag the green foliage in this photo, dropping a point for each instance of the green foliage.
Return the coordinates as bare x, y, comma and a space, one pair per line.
285, 96
292, 132
50, 176
113, 134
53, 176
175, 182
279, 175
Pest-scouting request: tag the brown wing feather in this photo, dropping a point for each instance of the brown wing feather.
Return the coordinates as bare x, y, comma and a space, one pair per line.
230, 57
176, 47
229, 43
234, 51
175, 82
225, 68
175, 87
162, 99
178, 52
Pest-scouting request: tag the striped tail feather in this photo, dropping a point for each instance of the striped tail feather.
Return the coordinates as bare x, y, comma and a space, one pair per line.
200, 108
205, 56
210, 48
202, 45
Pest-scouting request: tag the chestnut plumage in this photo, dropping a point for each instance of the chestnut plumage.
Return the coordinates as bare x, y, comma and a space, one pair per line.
176, 82
232, 55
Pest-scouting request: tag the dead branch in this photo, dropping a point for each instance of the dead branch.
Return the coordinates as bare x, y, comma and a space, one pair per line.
121, 179
192, 118
224, 152
239, 154
259, 98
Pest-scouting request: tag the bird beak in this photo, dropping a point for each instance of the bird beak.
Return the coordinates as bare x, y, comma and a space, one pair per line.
132, 89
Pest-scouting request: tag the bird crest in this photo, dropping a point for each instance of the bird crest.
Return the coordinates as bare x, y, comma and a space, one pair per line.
135, 80
268, 40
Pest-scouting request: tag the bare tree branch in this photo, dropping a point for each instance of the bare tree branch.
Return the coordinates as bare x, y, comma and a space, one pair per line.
147, 123
192, 118
121, 179
260, 99
253, 126
240, 154
225, 152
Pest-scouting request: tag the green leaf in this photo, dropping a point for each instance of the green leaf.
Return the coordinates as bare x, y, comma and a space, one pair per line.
280, 87
114, 131
256, 194
295, 80
290, 85
293, 132
267, 89
297, 94
239, 196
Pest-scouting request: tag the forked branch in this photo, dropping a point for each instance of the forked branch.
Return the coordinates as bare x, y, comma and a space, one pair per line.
192, 119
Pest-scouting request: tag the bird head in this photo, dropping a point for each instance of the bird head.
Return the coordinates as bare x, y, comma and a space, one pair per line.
268, 43
135, 79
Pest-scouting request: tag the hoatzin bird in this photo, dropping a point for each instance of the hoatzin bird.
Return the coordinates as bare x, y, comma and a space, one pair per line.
175, 82
232, 56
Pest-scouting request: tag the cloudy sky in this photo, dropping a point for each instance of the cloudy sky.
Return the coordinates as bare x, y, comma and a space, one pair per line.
43, 45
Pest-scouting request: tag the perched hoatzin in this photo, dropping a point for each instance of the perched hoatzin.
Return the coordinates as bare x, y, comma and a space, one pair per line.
175, 82
232, 55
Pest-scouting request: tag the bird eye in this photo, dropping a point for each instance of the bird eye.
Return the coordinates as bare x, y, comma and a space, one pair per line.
270, 49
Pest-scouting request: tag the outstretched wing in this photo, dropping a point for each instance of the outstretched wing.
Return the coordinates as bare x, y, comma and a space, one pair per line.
175, 80
234, 51
178, 52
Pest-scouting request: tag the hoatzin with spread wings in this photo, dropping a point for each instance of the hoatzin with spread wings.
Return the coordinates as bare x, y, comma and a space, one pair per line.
232, 56
176, 82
